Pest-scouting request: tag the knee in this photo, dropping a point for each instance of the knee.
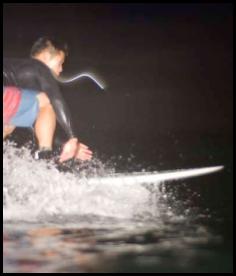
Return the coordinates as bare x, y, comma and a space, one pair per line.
7, 130
43, 100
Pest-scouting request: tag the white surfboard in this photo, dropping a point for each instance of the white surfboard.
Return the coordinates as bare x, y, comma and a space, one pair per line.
152, 177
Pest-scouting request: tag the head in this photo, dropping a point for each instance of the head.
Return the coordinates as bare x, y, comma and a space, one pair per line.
51, 52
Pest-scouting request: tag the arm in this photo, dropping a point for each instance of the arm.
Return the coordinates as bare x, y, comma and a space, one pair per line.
50, 86
72, 148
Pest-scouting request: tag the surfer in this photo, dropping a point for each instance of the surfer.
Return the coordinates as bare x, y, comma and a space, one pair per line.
40, 96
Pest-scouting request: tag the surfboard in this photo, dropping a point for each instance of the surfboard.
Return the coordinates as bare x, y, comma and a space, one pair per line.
152, 177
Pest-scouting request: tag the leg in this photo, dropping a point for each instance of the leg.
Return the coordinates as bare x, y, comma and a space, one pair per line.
7, 130
30, 108
45, 124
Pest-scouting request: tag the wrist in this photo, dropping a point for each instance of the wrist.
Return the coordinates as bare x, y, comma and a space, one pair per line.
74, 139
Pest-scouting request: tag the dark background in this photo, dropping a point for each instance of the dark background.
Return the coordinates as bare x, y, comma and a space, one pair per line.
168, 71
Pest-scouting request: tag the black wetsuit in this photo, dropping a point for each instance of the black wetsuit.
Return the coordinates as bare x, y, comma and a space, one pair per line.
33, 74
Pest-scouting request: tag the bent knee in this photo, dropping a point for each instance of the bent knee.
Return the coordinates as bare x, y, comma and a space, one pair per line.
7, 130
43, 100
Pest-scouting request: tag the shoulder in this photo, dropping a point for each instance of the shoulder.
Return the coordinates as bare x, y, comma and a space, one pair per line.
41, 70
38, 65
26, 63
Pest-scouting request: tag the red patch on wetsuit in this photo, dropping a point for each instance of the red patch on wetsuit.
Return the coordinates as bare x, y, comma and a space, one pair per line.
11, 102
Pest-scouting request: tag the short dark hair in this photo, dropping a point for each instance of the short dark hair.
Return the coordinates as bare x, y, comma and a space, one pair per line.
51, 44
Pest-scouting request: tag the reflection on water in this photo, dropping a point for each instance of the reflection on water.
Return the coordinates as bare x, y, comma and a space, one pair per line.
57, 224
173, 247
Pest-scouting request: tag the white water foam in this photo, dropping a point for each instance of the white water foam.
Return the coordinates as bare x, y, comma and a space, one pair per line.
36, 191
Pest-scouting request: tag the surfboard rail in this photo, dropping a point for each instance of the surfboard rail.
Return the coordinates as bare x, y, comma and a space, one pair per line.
152, 177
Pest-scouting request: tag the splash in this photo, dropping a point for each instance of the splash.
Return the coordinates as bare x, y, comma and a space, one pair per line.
36, 191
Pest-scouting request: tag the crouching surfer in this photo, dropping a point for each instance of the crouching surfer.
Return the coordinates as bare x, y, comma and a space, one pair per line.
32, 97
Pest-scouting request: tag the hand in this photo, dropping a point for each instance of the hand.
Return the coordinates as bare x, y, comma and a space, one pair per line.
83, 153
69, 150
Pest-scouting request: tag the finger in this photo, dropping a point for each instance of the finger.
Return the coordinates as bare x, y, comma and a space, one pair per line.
83, 146
86, 151
84, 156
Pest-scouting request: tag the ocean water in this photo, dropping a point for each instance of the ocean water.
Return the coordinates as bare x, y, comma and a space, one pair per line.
56, 222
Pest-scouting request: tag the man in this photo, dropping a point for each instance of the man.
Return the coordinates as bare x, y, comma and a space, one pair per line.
39, 74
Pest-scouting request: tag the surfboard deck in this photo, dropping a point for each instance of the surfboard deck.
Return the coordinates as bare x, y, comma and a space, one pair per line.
152, 177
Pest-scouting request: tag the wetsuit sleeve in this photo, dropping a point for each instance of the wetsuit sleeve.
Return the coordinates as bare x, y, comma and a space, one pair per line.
50, 86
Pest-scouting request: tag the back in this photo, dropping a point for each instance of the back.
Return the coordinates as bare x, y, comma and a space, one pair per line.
26, 73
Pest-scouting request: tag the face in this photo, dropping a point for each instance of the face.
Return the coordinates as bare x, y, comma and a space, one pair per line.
55, 62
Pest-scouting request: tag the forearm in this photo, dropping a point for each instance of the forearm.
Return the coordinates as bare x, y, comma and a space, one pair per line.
64, 117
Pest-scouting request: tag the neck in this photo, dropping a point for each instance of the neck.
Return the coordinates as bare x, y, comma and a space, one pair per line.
41, 58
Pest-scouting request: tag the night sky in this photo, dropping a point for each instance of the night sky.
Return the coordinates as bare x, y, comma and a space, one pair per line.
168, 67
